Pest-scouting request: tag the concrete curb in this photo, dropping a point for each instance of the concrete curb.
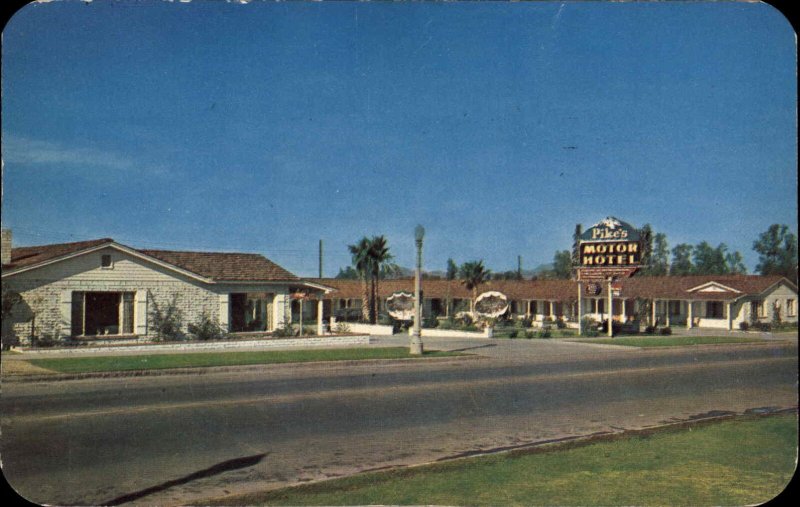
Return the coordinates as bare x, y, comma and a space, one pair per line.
210, 370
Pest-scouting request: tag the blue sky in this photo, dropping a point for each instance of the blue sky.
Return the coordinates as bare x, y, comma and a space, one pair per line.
497, 126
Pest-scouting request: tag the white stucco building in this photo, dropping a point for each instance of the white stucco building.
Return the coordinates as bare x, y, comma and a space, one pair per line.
104, 288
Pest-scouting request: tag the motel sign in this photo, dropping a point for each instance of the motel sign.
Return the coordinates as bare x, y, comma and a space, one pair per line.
608, 251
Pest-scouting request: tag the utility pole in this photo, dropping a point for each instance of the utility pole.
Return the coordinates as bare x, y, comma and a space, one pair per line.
320, 258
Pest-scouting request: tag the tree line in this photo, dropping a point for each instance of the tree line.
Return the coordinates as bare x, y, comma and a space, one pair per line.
777, 249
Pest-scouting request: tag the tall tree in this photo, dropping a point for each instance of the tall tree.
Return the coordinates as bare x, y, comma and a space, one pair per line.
646, 235
708, 260
681, 260
361, 262
472, 275
452, 270
562, 264
576, 241
347, 273
735, 263
659, 259
777, 252
379, 260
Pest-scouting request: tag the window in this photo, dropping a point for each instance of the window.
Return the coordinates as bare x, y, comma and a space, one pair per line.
105, 261
601, 307
102, 313
674, 307
759, 306
790, 308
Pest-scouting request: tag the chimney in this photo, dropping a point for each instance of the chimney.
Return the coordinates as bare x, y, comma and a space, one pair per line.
5, 246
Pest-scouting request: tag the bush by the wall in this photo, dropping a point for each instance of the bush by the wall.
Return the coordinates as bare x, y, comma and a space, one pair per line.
762, 326
665, 331
206, 329
166, 319
744, 326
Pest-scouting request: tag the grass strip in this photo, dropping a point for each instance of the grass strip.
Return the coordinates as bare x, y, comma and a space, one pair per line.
671, 341
207, 359
742, 461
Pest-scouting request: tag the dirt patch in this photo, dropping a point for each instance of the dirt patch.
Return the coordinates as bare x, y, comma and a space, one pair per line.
17, 367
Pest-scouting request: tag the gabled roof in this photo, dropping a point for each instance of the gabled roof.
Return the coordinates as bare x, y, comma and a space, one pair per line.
209, 266
32, 255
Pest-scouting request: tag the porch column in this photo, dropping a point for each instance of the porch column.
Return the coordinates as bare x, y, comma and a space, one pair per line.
553, 310
667, 313
528, 310
653, 321
279, 304
320, 329
730, 318
624, 316
689, 323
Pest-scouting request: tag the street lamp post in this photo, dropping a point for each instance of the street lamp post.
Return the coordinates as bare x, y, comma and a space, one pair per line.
416, 341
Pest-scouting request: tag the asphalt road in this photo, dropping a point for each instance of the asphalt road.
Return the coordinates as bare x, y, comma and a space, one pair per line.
174, 439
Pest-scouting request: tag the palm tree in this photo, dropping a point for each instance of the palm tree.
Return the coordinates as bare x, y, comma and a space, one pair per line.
360, 253
472, 275
379, 257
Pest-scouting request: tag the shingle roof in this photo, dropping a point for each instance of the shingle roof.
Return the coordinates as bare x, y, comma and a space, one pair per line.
239, 267
219, 266
31, 255
665, 287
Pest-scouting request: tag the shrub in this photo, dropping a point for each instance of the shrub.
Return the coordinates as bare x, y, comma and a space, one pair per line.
513, 333
9, 340
430, 322
544, 333
589, 327
447, 323
762, 326
206, 329
744, 326
616, 327
529, 334
341, 328
286, 329
560, 324
309, 330
167, 320
650, 330
666, 331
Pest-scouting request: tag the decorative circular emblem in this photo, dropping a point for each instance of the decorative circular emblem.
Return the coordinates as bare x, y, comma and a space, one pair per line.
593, 289
400, 305
491, 304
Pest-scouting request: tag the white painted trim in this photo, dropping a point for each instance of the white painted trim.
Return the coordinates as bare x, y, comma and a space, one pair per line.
715, 284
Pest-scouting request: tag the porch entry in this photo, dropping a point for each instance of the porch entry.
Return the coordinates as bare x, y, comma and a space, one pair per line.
102, 313
250, 311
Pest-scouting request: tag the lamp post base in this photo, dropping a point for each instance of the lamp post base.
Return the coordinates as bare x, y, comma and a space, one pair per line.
416, 346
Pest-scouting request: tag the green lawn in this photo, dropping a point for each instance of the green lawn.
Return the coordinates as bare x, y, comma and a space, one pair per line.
204, 359
670, 341
746, 461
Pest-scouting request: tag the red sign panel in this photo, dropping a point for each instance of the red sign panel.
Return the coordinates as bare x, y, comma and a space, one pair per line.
603, 274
